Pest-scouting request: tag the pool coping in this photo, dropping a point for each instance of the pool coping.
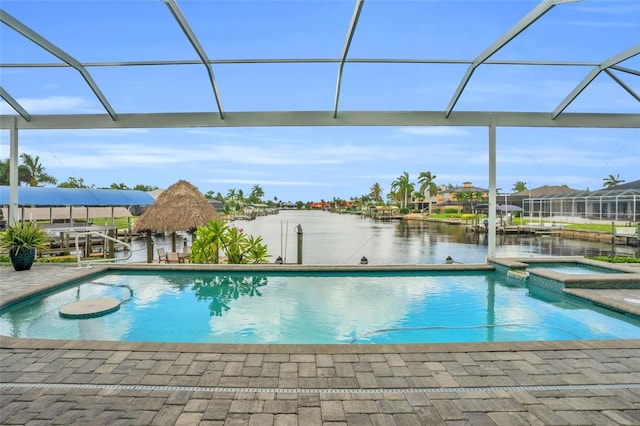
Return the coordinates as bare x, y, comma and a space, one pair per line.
230, 348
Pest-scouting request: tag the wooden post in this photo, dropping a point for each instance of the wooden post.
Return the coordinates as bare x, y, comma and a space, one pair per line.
299, 232
149, 247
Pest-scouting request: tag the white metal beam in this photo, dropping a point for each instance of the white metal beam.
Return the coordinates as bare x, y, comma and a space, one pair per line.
622, 56
627, 70
345, 52
14, 104
186, 29
622, 84
323, 118
36, 38
433, 61
512, 33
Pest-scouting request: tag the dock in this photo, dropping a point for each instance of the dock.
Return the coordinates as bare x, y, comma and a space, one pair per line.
529, 230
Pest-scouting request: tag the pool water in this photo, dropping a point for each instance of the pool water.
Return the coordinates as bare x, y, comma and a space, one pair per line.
319, 308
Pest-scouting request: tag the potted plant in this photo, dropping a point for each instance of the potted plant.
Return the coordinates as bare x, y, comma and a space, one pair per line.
22, 239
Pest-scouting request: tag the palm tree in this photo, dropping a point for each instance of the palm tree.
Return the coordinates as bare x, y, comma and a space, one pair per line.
519, 186
256, 193
461, 197
4, 171
426, 181
612, 181
375, 192
476, 195
231, 194
23, 173
402, 187
35, 173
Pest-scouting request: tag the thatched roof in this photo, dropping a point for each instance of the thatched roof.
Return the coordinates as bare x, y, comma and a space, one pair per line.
181, 207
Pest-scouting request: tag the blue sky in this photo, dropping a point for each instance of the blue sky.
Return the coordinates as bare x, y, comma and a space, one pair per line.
305, 163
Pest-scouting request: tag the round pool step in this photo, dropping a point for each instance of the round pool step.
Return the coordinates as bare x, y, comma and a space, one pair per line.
90, 308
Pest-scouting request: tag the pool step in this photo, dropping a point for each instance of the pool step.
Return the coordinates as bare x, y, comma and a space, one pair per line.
518, 274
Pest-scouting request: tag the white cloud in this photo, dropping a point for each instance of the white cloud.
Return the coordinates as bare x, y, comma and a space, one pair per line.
263, 182
56, 104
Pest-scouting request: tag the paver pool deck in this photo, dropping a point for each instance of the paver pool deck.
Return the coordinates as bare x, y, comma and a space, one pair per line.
124, 383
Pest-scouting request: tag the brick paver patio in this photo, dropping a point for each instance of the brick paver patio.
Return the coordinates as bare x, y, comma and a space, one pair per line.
125, 383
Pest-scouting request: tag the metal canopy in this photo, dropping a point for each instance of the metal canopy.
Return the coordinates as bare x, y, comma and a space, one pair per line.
620, 62
50, 197
423, 103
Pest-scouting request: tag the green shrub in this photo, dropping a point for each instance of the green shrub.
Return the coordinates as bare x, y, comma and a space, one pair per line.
22, 235
219, 239
57, 259
616, 259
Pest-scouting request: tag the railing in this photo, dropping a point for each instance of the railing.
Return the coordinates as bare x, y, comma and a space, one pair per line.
106, 237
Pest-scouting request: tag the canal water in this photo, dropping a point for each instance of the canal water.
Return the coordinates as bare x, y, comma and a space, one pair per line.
343, 239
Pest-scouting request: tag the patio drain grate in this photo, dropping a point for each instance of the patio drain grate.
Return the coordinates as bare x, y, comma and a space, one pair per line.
317, 390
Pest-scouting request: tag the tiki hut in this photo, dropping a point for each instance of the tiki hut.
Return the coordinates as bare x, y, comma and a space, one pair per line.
181, 207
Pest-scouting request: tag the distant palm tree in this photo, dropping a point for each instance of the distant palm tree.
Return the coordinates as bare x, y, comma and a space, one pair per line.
519, 186
476, 195
256, 193
375, 192
36, 174
428, 187
402, 187
613, 181
461, 197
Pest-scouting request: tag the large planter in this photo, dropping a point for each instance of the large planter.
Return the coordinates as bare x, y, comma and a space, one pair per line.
22, 259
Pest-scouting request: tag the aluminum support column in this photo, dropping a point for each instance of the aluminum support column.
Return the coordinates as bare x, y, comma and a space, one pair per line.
492, 191
13, 174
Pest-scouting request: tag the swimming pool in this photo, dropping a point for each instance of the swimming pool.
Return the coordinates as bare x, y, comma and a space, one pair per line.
318, 308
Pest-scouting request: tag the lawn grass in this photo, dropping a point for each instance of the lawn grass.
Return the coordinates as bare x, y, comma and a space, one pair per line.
120, 222
593, 227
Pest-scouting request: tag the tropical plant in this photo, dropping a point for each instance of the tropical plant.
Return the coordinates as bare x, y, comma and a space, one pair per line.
4, 171
143, 187
519, 186
611, 181
234, 245
217, 240
207, 241
22, 239
24, 174
402, 187
256, 194
375, 192
428, 187
23, 235
256, 252
118, 186
461, 197
72, 182
35, 171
